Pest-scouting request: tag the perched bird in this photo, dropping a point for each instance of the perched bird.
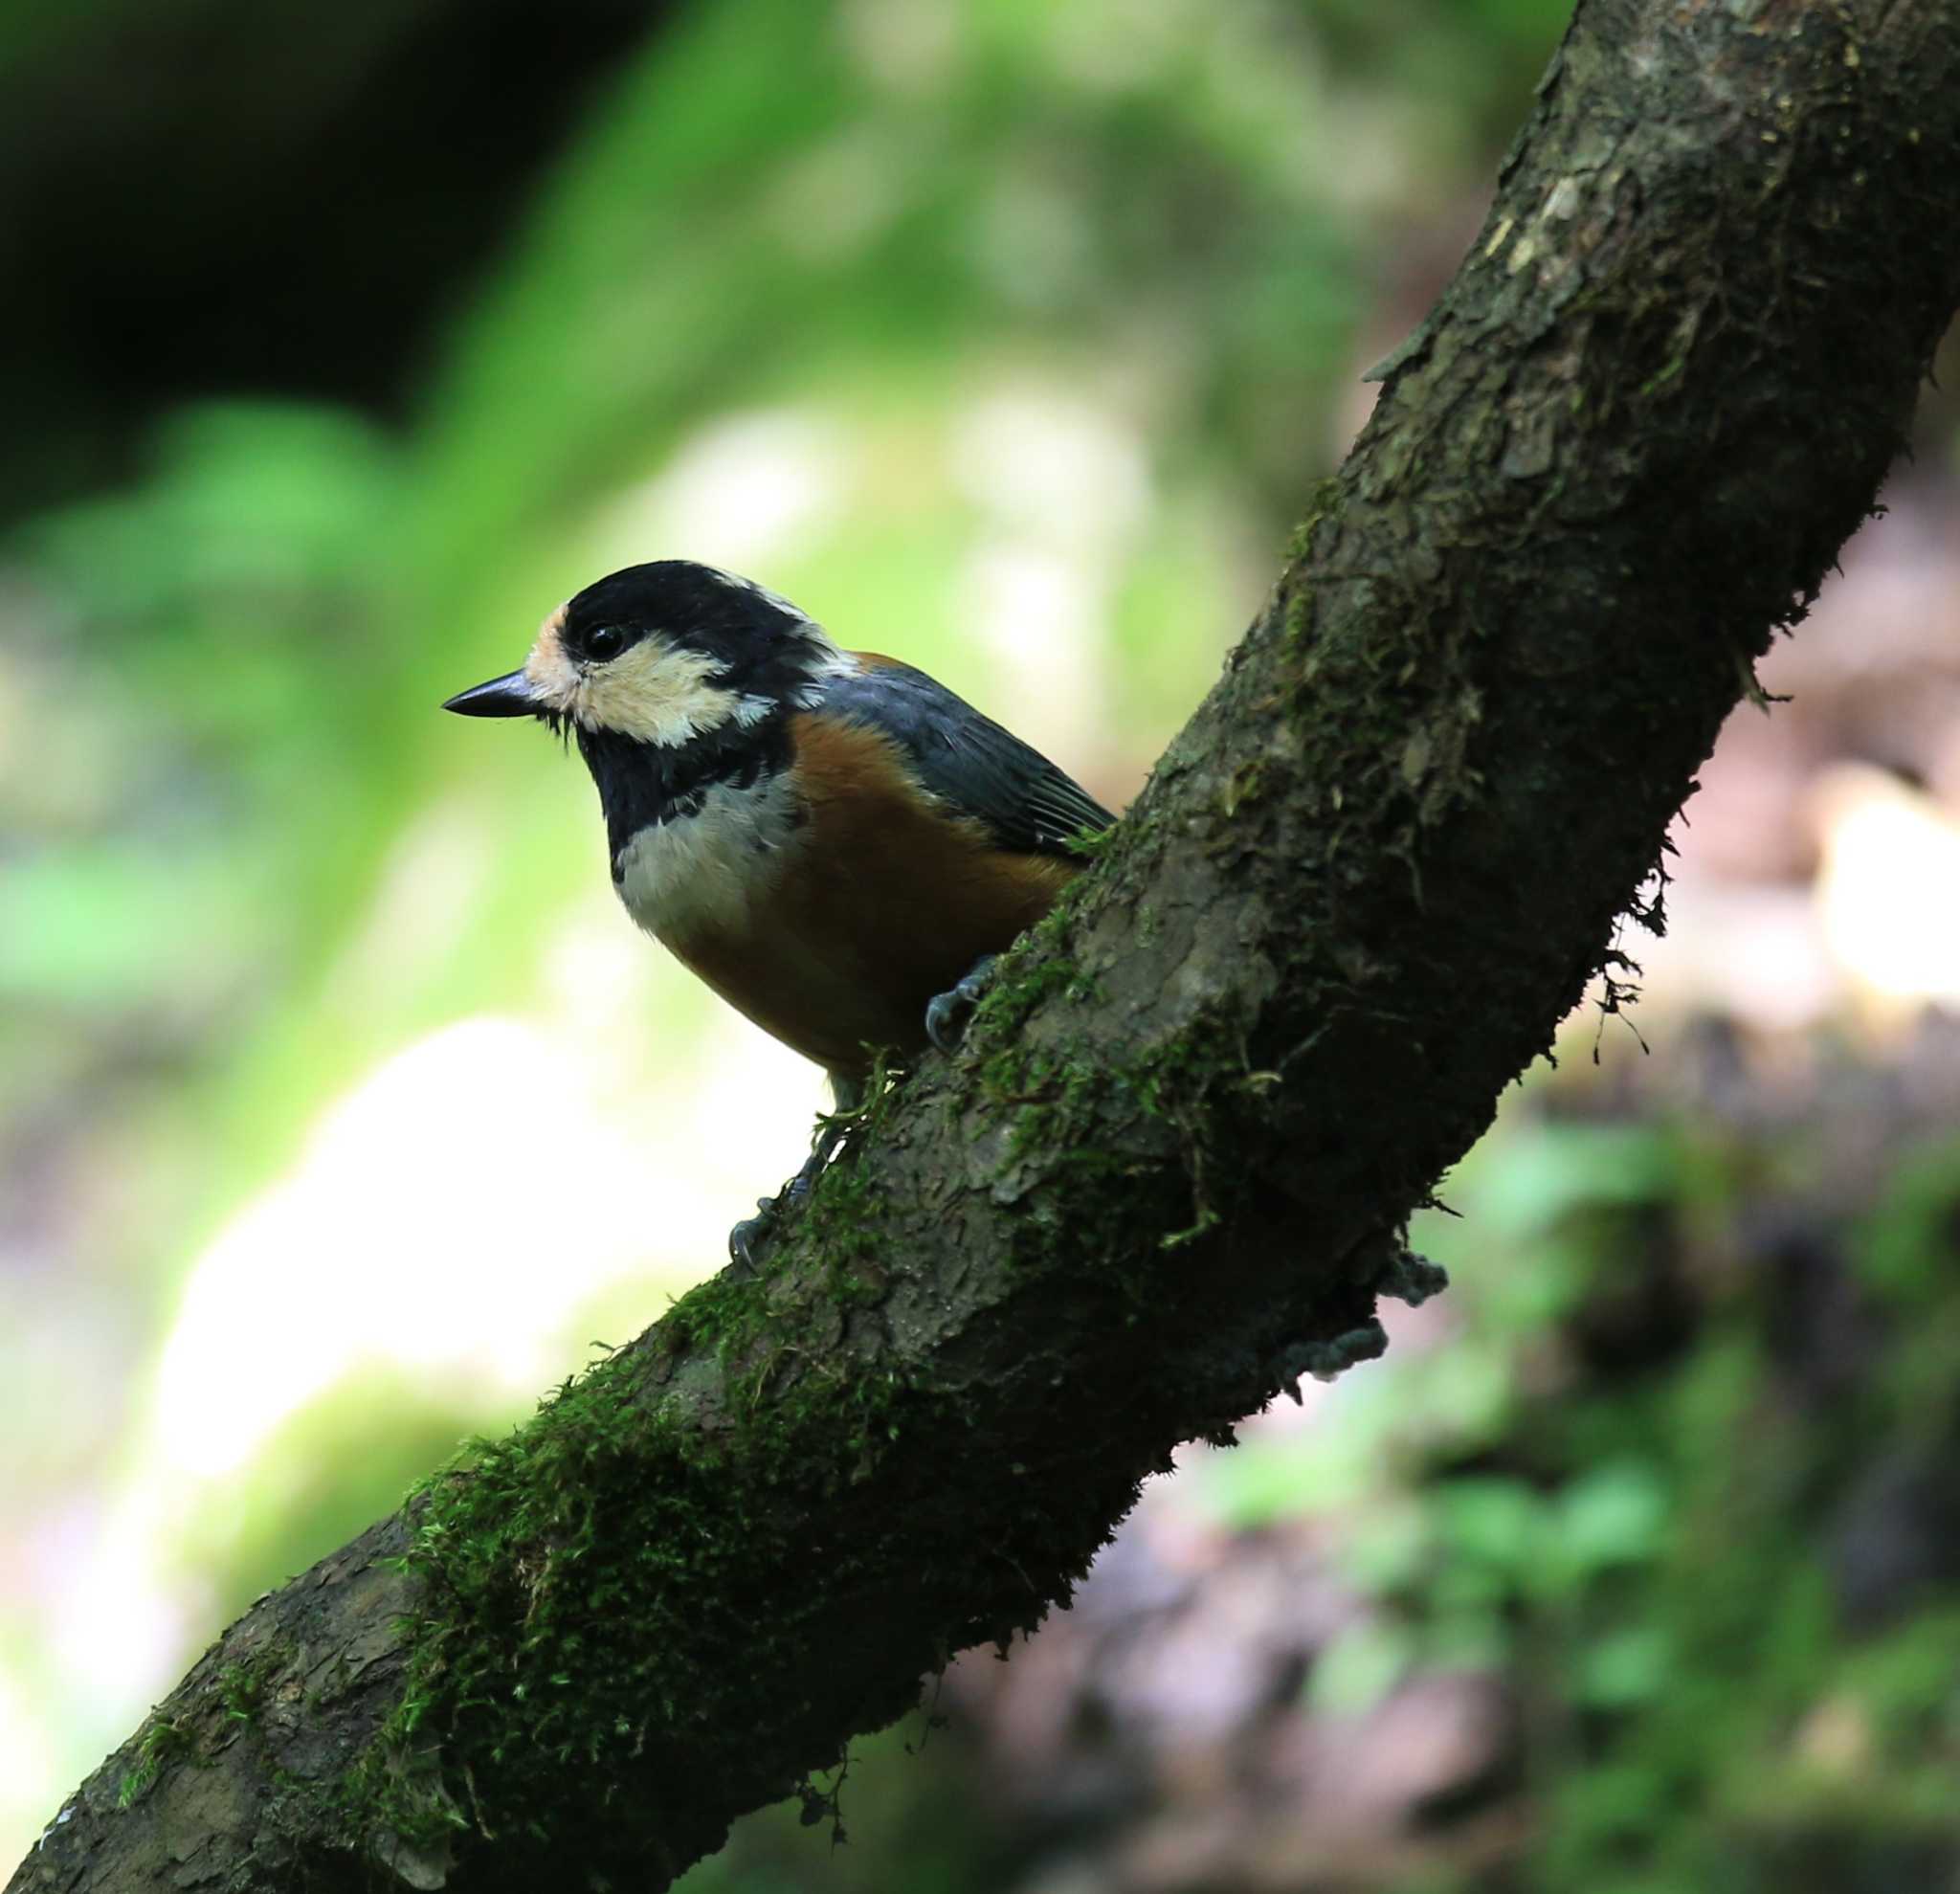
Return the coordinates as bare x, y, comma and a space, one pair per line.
836, 843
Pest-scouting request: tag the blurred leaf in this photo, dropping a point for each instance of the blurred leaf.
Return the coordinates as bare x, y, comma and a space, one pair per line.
1468, 1640
1266, 1478
1611, 1515
255, 503
113, 927
1498, 1523
1463, 1392
1904, 1248
1552, 1168
1360, 1668
1623, 1668
1387, 1547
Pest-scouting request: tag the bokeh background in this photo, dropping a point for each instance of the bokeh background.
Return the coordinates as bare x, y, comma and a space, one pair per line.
342, 1112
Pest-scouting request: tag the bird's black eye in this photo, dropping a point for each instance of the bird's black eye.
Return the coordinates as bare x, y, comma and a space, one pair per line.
604, 642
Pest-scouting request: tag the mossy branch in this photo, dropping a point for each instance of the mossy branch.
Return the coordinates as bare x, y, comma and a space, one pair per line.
1168, 1173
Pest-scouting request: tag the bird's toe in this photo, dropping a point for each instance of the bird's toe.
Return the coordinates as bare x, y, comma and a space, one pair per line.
751, 1229
946, 1013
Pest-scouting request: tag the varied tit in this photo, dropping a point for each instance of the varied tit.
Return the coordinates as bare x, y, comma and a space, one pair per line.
836, 843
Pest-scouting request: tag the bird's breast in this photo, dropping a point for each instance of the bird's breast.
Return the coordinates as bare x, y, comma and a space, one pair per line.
706, 873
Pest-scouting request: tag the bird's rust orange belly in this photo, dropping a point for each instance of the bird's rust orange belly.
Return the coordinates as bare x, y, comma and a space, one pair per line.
881, 900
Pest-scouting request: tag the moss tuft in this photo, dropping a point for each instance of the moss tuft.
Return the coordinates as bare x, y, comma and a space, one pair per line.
162, 1741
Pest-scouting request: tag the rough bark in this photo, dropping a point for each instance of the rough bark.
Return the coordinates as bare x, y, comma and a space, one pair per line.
1168, 1173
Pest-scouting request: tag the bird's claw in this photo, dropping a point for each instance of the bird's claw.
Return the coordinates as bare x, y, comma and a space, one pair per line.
848, 1091
751, 1229
945, 1013
769, 1211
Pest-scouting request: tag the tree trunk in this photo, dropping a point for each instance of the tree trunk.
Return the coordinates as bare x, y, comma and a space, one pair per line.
1168, 1172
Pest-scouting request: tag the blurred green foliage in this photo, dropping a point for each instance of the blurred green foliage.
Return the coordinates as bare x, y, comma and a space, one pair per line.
1674, 1525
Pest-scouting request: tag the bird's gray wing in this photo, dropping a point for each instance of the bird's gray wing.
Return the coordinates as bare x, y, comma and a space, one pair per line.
969, 760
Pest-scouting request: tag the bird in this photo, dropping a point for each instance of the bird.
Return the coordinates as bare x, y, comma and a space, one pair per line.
831, 839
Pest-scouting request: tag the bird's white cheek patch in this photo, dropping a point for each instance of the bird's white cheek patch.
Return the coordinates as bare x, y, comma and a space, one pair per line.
656, 694
652, 691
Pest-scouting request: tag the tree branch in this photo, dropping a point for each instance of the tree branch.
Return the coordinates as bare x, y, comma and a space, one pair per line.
1168, 1174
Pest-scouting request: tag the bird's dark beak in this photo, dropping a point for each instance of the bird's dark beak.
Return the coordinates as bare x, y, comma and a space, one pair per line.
502, 696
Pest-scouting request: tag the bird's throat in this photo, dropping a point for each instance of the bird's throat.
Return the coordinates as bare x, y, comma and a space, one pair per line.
646, 786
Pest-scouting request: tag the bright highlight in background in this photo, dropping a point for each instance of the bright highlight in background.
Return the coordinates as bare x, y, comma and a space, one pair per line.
1888, 891
447, 1217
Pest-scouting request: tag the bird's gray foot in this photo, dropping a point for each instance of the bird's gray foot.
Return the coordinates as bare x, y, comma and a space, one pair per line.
945, 1013
747, 1234
751, 1229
